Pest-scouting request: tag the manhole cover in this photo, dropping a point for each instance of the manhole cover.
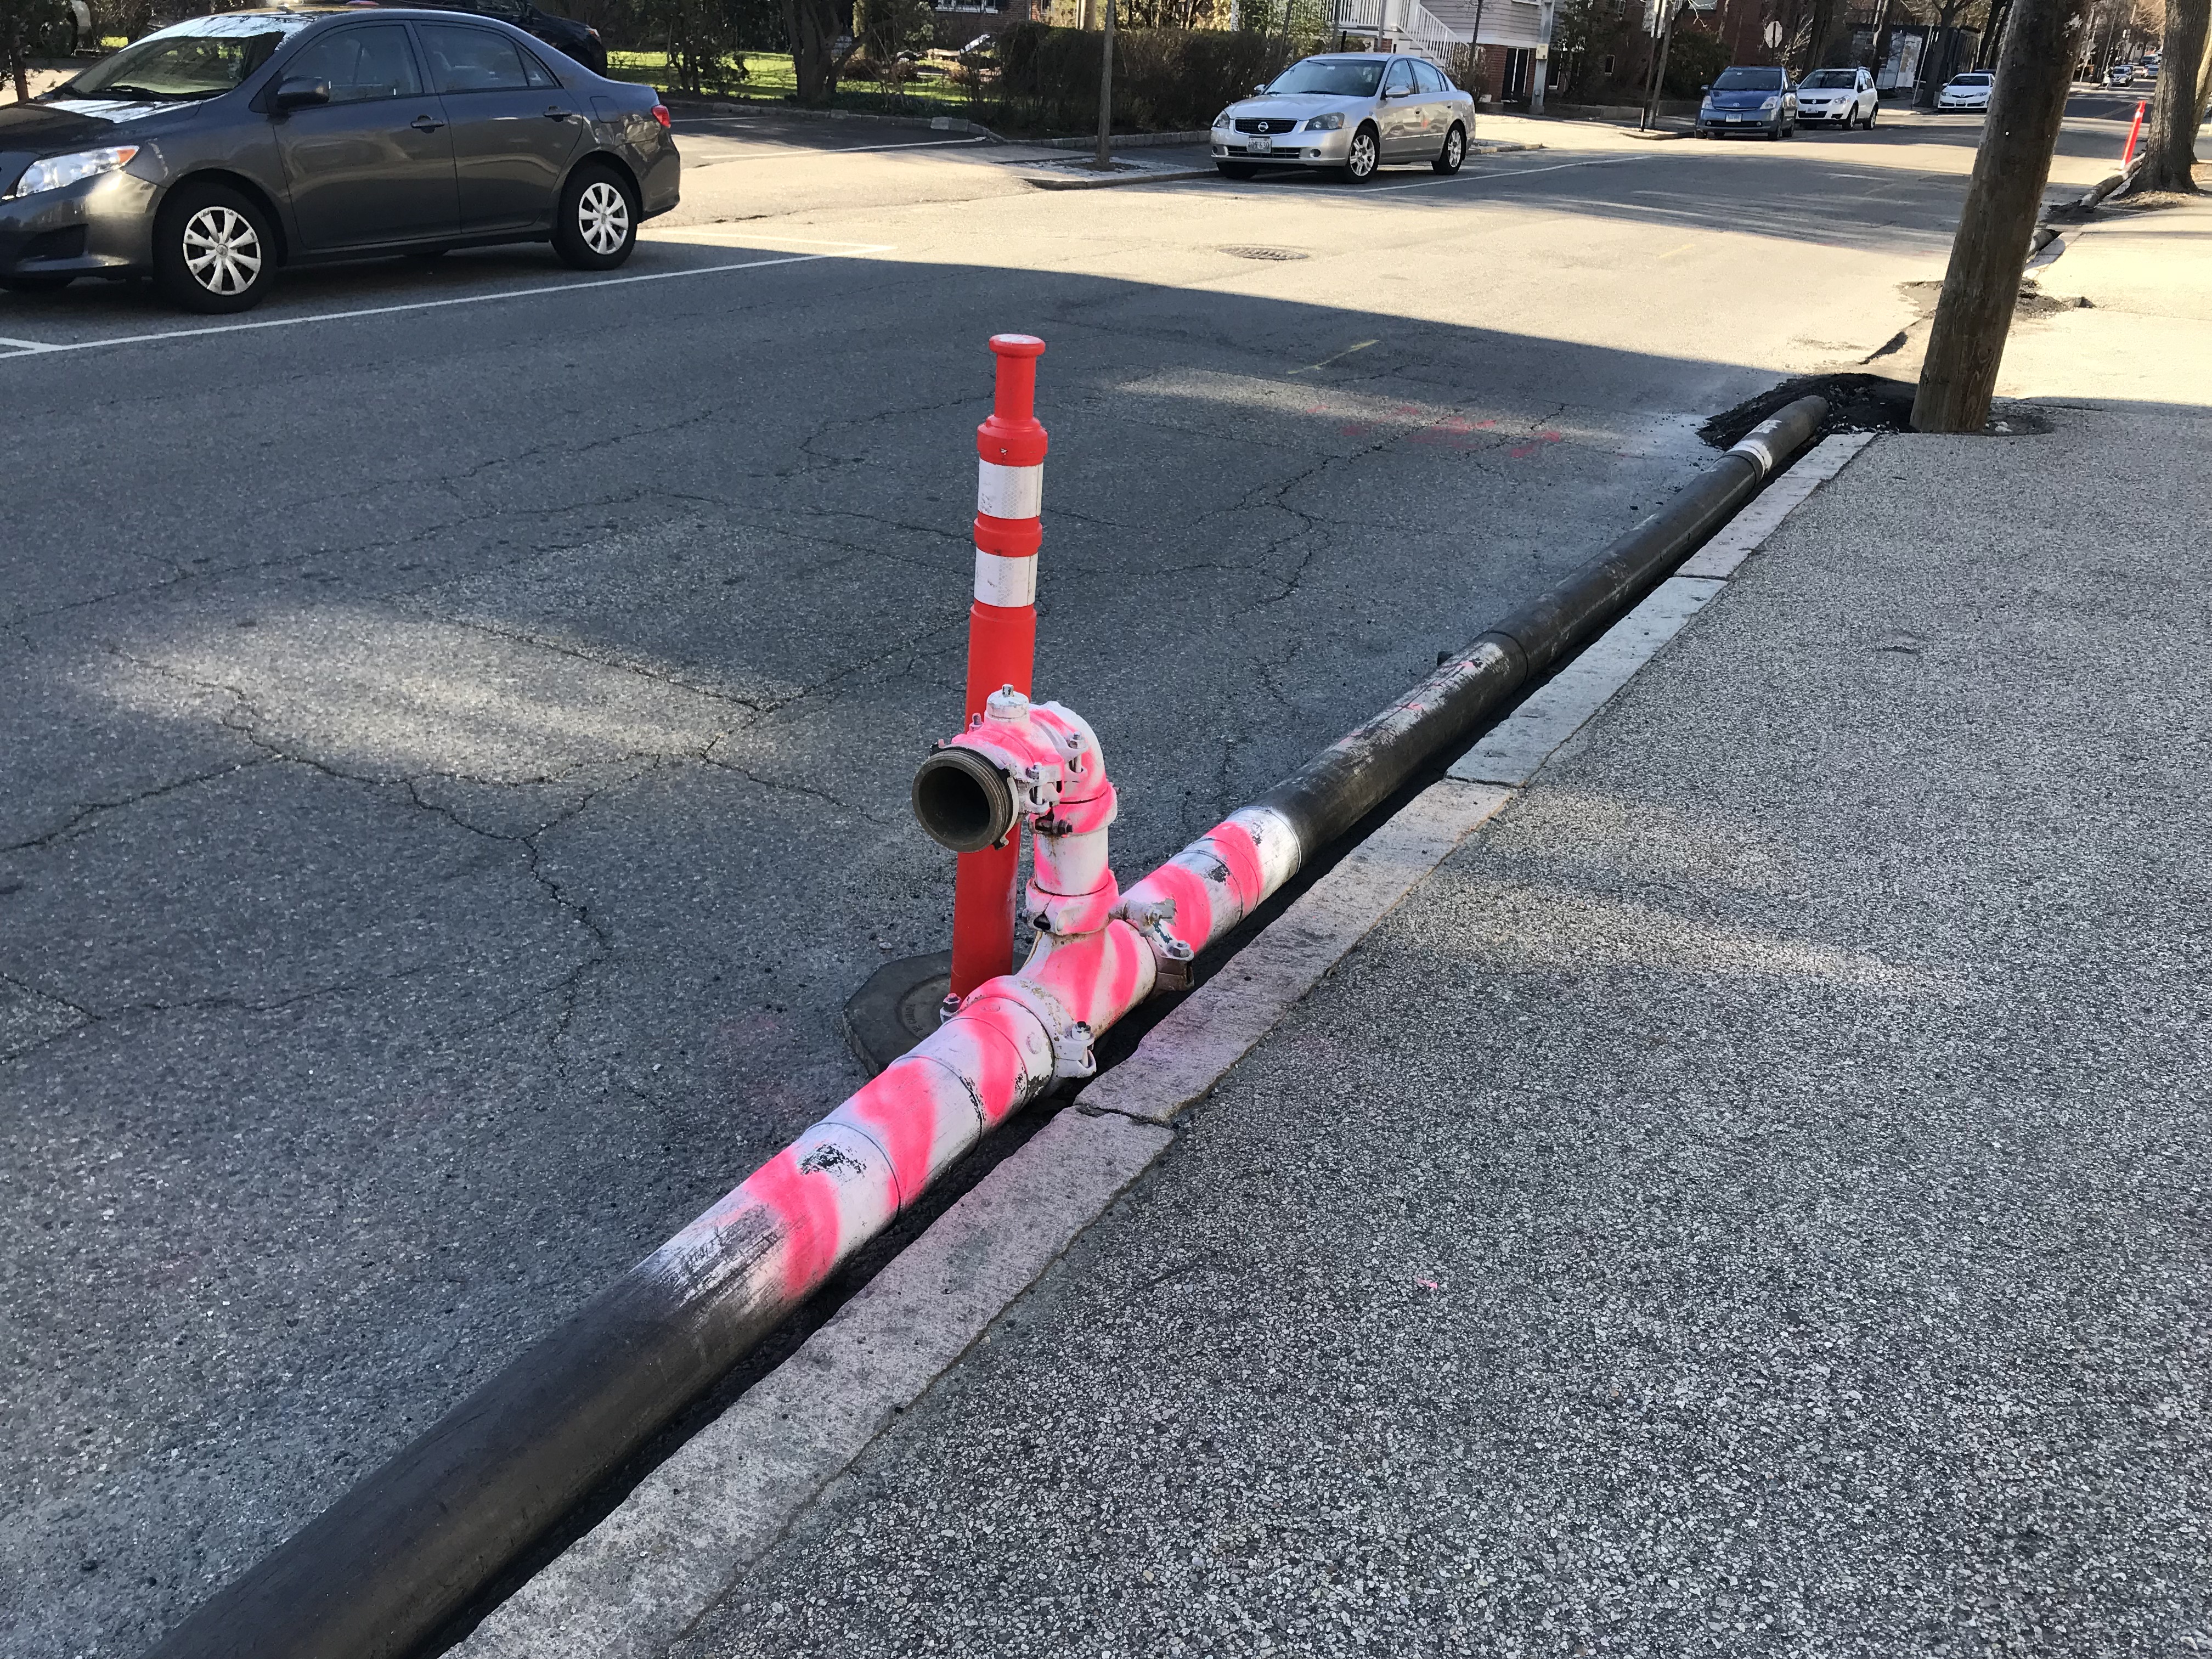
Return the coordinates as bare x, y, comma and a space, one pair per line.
1263, 252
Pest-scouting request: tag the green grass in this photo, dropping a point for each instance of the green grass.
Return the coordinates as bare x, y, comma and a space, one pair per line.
768, 75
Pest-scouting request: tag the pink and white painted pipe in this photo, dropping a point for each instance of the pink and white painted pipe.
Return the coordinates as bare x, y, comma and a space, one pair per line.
398, 1552
1098, 954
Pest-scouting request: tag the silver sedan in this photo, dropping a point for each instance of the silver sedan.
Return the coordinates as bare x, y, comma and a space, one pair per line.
1349, 111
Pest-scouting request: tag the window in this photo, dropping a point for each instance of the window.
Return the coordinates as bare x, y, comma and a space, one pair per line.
1401, 81
535, 72
1823, 79
203, 58
1428, 78
463, 59
361, 64
1749, 80
1342, 77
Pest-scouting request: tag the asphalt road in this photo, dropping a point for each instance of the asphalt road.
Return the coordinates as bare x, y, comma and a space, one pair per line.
456, 726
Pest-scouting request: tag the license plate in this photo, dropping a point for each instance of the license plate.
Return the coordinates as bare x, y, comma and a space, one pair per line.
1260, 144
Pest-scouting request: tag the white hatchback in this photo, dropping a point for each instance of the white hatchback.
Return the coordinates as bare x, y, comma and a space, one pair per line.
1842, 98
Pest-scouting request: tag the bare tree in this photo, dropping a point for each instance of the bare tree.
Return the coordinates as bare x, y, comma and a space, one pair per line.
2177, 108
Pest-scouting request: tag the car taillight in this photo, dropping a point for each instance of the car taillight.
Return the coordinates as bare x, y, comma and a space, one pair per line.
661, 113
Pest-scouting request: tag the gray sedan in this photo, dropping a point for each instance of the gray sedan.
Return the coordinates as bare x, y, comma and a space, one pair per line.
208, 154
1352, 112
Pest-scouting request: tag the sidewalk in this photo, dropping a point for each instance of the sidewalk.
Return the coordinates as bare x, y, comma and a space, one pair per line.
1750, 1199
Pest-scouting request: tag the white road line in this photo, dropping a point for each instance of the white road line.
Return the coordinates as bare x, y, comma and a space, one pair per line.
36, 349
1515, 172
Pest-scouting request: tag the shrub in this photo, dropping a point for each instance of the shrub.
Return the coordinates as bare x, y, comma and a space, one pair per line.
1165, 80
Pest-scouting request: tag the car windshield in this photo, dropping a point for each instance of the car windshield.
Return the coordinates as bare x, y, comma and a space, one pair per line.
1749, 80
203, 58
1831, 78
1971, 81
1341, 77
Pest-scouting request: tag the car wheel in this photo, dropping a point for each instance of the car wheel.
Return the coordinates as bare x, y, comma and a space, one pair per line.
596, 228
213, 249
1236, 169
1872, 112
1454, 152
53, 284
1365, 156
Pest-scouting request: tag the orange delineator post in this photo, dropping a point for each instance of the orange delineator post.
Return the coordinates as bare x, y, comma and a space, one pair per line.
2133, 133
1001, 636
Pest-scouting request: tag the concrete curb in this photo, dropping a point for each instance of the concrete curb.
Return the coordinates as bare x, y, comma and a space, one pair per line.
675, 1547
1165, 175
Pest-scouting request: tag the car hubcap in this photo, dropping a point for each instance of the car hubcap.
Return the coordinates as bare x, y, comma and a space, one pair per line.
222, 250
1455, 147
1362, 156
603, 216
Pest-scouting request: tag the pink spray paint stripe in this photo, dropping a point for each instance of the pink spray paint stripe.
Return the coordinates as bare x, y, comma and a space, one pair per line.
899, 1109
1242, 858
807, 1207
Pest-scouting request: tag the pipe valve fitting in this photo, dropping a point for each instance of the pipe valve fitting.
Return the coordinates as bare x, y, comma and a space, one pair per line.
1038, 762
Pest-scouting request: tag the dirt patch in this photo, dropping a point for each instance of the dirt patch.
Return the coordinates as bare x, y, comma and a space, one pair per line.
2032, 301
1858, 403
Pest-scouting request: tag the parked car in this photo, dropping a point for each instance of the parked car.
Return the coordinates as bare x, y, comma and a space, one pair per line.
1746, 100
2120, 75
1844, 98
563, 34
212, 153
1352, 112
1965, 93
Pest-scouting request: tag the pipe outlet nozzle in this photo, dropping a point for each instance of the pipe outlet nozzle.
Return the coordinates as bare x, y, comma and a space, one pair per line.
963, 801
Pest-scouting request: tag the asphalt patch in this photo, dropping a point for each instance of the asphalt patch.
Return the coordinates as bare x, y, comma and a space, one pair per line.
1858, 403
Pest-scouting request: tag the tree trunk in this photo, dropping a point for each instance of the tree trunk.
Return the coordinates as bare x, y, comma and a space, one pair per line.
2027, 105
1105, 155
2178, 106
812, 27
17, 66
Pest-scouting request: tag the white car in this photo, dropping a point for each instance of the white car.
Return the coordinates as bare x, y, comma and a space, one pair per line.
1965, 93
1351, 112
1842, 98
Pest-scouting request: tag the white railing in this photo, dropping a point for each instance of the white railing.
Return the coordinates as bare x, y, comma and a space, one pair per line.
1405, 21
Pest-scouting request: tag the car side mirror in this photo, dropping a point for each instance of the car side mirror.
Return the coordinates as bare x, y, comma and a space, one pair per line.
300, 92
1708, 87
1261, 87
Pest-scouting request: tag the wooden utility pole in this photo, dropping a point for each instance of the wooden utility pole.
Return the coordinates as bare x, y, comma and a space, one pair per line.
1659, 65
1105, 158
2027, 103
2177, 108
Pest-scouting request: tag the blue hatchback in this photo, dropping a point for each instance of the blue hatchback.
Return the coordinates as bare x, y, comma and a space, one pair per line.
1748, 101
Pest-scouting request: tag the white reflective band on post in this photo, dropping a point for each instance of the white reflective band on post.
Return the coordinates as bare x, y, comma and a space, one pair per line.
1005, 582
1009, 492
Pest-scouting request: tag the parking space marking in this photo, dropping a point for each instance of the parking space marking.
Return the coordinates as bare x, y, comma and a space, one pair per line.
45, 349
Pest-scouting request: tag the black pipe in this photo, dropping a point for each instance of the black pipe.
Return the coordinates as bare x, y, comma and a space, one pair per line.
1362, 769
391, 1560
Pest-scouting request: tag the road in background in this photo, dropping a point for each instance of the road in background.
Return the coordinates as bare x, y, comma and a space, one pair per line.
458, 724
